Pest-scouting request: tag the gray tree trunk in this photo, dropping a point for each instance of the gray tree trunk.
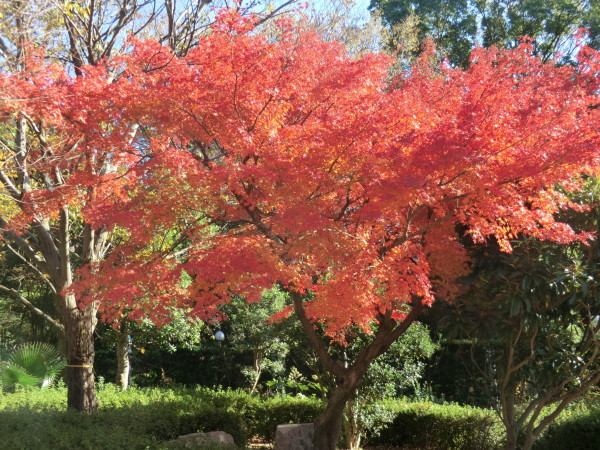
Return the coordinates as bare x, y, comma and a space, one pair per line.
123, 363
81, 393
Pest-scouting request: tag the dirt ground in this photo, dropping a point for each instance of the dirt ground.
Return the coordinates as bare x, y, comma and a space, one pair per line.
265, 446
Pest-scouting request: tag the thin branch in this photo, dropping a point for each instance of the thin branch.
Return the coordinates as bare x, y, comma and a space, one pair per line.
58, 326
328, 362
41, 275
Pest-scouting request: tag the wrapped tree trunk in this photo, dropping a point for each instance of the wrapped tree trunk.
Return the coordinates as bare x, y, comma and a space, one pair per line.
80, 359
350, 426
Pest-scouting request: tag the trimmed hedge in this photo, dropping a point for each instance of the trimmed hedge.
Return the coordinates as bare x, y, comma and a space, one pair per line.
152, 418
279, 410
433, 426
143, 418
577, 428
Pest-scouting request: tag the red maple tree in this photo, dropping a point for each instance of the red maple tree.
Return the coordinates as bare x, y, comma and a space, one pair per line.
58, 156
286, 161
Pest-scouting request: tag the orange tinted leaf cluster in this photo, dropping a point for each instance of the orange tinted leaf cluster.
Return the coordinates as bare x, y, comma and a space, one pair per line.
314, 170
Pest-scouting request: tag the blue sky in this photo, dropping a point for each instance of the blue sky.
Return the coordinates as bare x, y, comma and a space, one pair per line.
360, 4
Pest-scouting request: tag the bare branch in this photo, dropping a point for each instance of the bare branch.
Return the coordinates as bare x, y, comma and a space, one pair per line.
51, 321
328, 362
40, 274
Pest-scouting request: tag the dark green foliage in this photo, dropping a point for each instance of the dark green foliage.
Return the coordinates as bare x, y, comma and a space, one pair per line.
451, 24
576, 429
251, 333
185, 351
19, 324
144, 417
459, 25
427, 425
531, 319
452, 378
34, 364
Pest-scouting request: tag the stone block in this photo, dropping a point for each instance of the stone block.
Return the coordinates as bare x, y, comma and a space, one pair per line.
212, 436
295, 436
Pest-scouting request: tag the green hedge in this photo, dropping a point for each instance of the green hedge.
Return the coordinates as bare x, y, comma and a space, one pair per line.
143, 418
433, 426
279, 410
577, 428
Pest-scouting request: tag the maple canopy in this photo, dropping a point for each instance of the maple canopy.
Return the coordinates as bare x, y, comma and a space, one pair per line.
265, 161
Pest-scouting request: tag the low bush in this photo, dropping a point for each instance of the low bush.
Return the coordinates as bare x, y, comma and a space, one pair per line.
144, 417
141, 418
134, 419
433, 426
577, 428
279, 410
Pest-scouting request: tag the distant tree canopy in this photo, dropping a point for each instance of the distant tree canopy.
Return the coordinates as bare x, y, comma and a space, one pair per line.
459, 25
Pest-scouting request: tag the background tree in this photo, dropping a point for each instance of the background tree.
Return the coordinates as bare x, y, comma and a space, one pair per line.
457, 26
44, 143
250, 330
451, 24
532, 316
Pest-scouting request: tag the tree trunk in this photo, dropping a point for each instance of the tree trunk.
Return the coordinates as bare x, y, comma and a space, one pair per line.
123, 365
328, 424
257, 366
81, 394
511, 438
351, 428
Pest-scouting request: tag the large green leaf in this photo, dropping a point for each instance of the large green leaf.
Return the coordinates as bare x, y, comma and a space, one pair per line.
13, 375
31, 365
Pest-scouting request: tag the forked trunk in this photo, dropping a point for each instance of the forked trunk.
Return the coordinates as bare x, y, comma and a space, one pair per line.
328, 424
79, 330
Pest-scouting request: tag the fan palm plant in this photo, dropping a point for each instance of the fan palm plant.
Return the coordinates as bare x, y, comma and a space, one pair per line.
32, 364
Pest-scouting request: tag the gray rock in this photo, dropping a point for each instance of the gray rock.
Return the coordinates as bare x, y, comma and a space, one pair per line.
295, 436
212, 436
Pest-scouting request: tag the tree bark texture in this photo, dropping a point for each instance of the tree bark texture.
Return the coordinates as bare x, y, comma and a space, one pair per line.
81, 392
328, 424
123, 364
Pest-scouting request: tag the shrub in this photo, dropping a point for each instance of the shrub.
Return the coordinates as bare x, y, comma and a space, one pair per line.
260, 416
134, 419
34, 364
577, 428
279, 410
428, 425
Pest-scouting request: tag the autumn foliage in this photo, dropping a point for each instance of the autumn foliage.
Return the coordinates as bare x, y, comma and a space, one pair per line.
261, 161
